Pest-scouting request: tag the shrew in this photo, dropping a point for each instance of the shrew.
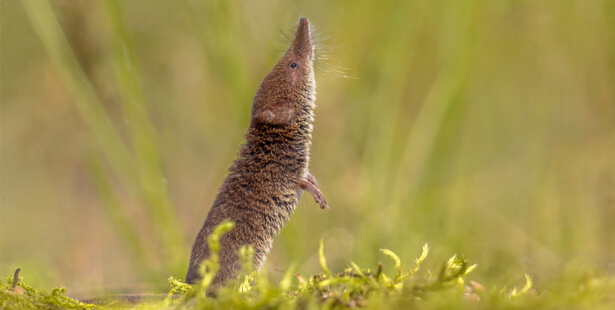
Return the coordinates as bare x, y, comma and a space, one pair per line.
265, 182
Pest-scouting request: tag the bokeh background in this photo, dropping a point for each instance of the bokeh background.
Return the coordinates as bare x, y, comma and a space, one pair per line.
484, 128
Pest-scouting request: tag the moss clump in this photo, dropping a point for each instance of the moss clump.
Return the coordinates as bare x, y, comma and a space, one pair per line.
18, 295
354, 287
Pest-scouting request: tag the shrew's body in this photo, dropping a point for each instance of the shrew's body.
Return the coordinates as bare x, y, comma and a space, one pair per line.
267, 179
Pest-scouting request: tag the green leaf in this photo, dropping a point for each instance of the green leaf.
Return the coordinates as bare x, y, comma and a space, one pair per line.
323, 261
526, 288
357, 270
420, 259
395, 258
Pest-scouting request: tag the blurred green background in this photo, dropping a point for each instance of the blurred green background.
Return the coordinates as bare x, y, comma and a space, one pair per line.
485, 128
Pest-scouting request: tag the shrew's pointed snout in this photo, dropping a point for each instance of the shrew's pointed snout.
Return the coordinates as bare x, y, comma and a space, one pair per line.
303, 22
302, 44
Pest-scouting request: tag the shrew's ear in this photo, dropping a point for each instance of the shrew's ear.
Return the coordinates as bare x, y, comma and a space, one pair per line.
275, 114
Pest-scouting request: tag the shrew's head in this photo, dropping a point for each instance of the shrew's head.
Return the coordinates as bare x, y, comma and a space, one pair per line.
287, 93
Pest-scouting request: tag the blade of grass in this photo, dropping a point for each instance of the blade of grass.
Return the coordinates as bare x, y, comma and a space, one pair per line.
123, 225
383, 120
143, 137
91, 110
84, 98
215, 22
145, 176
422, 139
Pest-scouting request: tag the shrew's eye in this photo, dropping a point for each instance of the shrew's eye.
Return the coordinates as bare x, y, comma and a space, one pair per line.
293, 65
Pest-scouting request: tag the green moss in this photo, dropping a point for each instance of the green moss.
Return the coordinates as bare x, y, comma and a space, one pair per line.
354, 287
24, 296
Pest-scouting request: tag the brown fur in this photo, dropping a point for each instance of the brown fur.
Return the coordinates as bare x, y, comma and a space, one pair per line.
266, 180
